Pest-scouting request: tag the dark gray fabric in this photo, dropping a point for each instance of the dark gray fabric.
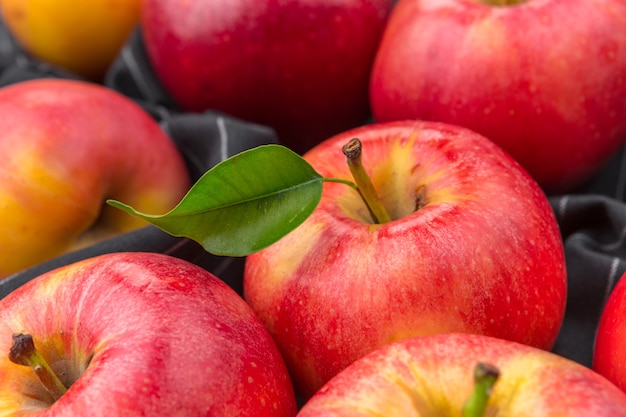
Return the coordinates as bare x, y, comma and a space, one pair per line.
592, 218
593, 226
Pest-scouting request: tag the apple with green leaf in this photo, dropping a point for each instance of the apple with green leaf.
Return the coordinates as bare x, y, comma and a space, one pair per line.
463, 240
67, 146
137, 334
544, 79
301, 67
465, 375
425, 228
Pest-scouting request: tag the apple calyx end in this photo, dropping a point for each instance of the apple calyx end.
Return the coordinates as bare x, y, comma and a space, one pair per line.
23, 352
353, 150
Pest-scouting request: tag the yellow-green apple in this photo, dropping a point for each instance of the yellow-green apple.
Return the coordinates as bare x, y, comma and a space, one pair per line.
472, 246
544, 79
138, 334
301, 67
67, 146
432, 376
81, 36
609, 357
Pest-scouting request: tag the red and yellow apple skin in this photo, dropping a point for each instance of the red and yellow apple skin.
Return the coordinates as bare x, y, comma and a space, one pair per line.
609, 357
433, 376
481, 254
141, 334
300, 67
66, 147
80, 36
544, 79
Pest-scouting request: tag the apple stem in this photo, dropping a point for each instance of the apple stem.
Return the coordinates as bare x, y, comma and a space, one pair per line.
485, 377
23, 352
353, 150
503, 2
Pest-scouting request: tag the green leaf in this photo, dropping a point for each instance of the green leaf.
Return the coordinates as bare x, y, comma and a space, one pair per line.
245, 203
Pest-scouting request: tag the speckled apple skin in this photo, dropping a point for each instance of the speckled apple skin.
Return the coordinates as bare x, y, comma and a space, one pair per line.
67, 146
301, 67
151, 335
432, 376
482, 255
544, 79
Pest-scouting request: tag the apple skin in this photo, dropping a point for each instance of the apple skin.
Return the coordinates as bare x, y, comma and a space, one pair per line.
432, 376
142, 334
544, 79
80, 36
67, 146
609, 357
300, 67
483, 255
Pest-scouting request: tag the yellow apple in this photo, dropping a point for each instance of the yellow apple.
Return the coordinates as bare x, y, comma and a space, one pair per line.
81, 36
66, 147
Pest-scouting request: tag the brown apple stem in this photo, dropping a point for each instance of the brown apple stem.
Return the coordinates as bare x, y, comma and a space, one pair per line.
485, 377
23, 352
503, 2
353, 150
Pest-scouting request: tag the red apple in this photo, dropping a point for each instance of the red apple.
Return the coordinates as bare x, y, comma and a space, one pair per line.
432, 376
473, 246
67, 146
301, 67
609, 357
544, 79
141, 334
